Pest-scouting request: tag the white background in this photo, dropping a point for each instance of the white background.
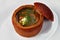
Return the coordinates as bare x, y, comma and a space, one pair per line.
7, 6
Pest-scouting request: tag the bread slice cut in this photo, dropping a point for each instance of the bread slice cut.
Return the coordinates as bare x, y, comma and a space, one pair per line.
44, 10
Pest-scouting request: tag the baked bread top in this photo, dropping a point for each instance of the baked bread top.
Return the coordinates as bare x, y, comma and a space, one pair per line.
44, 10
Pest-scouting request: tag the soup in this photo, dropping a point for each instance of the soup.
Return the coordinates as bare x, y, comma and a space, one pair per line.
27, 17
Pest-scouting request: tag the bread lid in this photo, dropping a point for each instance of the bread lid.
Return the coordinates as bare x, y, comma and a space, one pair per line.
44, 10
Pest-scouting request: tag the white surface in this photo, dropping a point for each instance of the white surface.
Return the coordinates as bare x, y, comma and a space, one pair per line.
7, 7
48, 29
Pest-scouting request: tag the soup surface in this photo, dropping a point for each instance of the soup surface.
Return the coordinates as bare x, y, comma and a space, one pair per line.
27, 17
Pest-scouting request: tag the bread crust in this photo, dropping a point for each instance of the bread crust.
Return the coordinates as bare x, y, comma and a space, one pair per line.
44, 10
30, 30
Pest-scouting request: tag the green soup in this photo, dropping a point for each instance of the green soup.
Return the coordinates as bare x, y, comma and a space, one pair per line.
26, 17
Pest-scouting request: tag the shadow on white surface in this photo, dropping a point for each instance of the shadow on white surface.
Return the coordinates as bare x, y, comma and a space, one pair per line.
46, 26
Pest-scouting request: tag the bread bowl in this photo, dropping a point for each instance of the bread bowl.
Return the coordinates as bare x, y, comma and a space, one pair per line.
30, 30
24, 28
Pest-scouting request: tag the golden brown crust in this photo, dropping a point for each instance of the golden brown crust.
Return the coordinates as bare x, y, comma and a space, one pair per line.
27, 31
44, 10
